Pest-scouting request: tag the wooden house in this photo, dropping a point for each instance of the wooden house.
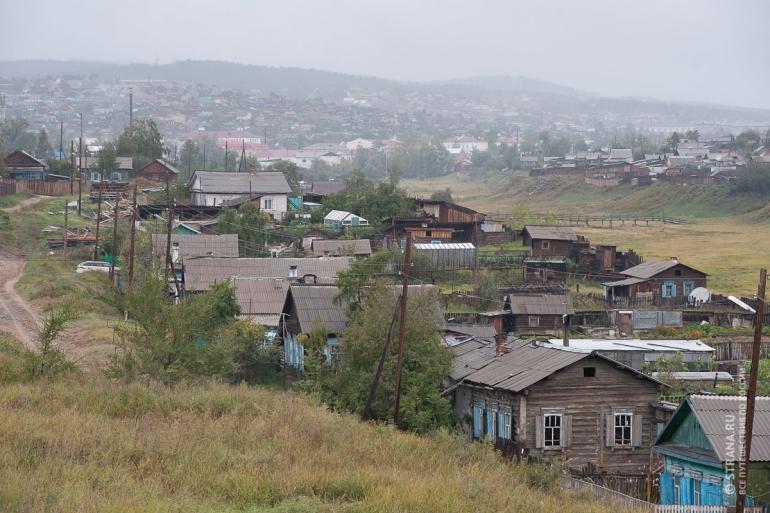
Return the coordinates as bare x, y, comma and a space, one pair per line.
531, 310
23, 166
212, 188
158, 171
261, 301
575, 408
669, 280
700, 446
550, 241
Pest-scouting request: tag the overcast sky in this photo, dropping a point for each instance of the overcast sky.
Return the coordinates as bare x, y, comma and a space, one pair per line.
695, 50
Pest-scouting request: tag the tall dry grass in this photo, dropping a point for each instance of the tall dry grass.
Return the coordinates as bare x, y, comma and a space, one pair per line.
90, 445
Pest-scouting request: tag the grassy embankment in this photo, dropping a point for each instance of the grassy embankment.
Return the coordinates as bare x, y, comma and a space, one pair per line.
48, 282
728, 235
90, 445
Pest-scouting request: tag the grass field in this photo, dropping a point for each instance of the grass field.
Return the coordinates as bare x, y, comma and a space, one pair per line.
728, 236
90, 445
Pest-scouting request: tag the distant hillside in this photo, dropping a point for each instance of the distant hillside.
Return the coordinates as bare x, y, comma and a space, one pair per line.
508, 84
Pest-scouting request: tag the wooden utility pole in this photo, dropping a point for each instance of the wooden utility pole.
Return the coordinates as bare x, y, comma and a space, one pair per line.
61, 140
66, 230
131, 111
743, 469
132, 240
378, 373
80, 166
169, 224
402, 326
225, 155
72, 166
99, 212
114, 240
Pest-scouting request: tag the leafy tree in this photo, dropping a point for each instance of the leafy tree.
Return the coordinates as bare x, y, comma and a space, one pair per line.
255, 360
142, 141
249, 224
106, 160
43, 149
426, 363
445, 195
290, 171
49, 361
673, 141
375, 203
692, 135
15, 135
521, 216
748, 141
754, 178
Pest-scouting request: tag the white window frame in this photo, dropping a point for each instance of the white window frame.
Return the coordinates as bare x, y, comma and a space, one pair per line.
536, 319
630, 426
267, 203
552, 442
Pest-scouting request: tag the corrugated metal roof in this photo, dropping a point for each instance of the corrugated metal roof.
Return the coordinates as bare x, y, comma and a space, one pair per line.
191, 246
261, 296
315, 305
338, 215
540, 304
650, 268
443, 246
321, 247
262, 182
623, 283
202, 273
718, 416
470, 356
551, 232
695, 376
635, 344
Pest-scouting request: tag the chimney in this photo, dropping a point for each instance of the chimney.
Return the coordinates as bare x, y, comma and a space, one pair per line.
565, 322
674, 259
292, 271
500, 344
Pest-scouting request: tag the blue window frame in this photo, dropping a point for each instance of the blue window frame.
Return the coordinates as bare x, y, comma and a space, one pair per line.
478, 419
687, 287
668, 289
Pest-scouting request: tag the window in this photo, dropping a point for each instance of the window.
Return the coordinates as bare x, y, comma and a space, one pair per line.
504, 419
589, 372
552, 430
490, 427
696, 492
623, 423
533, 321
478, 419
668, 289
678, 272
677, 495
687, 289
545, 244
267, 204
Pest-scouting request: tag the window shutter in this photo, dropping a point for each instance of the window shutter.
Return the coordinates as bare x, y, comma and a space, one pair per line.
609, 438
566, 436
476, 421
539, 432
636, 430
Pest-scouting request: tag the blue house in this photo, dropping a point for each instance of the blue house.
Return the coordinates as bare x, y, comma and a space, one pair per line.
700, 448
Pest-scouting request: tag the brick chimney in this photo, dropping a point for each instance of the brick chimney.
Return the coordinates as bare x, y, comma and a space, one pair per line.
501, 347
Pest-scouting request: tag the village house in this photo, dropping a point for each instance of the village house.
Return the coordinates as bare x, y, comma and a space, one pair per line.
562, 406
23, 166
340, 247
620, 155
261, 301
342, 219
185, 247
552, 241
465, 144
701, 445
212, 188
158, 170
531, 310
656, 281
122, 173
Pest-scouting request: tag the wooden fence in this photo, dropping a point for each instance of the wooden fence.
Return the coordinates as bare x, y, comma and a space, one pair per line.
605, 494
37, 187
681, 508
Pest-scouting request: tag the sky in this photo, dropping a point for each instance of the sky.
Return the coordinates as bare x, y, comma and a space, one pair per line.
688, 50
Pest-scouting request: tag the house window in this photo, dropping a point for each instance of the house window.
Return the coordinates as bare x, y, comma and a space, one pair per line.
623, 423
668, 289
696, 492
678, 272
545, 244
267, 204
687, 289
589, 372
478, 419
677, 494
552, 430
490, 427
504, 419
533, 321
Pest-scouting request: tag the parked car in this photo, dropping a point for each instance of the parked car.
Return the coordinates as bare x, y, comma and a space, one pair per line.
93, 265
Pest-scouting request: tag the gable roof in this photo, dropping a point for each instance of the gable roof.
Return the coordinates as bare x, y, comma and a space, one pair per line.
92, 162
530, 363
620, 154
163, 163
339, 247
652, 268
21, 158
550, 232
263, 182
718, 417
339, 215
193, 246
540, 304
261, 300
315, 304
202, 273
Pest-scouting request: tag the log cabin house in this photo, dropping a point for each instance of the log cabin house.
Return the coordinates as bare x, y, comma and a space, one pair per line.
656, 280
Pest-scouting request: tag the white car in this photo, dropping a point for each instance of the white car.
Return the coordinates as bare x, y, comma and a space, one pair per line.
93, 265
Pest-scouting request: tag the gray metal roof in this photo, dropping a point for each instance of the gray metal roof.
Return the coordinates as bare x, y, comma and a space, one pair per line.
652, 268
315, 305
540, 304
623, 283
717, 413
469, 357
191, 246
551, 232
321, 247
261, 297
202, 273
263, 182
694, 375
164, 164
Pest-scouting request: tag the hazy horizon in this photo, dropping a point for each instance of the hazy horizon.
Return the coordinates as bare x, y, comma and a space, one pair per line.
690, 51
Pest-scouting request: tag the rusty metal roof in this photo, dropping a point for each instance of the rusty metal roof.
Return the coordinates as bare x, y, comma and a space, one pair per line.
718, 417
191, 246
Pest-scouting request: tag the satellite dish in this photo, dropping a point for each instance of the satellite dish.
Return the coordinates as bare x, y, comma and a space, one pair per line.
700, 295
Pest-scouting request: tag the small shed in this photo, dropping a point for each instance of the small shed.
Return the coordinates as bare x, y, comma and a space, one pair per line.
158, 171
449, 254
342, 218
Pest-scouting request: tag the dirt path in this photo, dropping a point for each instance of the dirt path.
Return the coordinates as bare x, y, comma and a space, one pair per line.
24, 203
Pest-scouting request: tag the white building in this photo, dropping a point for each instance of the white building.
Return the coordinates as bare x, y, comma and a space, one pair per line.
465, 144
211, 188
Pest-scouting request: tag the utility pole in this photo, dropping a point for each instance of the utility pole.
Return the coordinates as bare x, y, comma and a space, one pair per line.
402, 326
72, 167
168, 232
131, 111
80, 165
66, 231
204, 156
99, 213
132, 240
378, 373
114, 240
243, 155
61, 140
743, 469
225, 155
